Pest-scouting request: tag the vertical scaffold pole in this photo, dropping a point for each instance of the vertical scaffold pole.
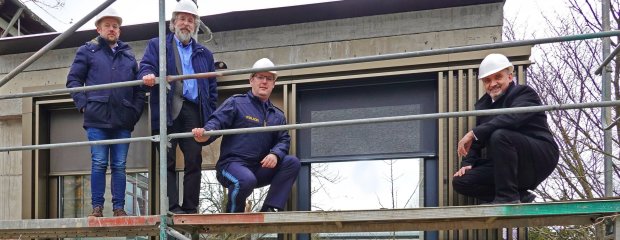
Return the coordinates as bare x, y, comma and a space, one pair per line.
605, 112
163, 130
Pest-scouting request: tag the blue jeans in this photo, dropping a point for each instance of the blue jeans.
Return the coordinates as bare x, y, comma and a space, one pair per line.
117, 155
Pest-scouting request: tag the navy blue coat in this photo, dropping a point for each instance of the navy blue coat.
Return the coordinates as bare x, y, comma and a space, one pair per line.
95, 64
202, 61
533, 124
244, 111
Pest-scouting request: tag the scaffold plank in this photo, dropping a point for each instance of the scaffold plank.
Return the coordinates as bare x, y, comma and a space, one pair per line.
80, 227
444, 218
435, 218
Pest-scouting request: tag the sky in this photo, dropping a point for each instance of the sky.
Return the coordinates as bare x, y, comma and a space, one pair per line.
525, 12
141, 11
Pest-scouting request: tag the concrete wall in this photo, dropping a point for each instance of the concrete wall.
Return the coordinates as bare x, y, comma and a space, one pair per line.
306, 42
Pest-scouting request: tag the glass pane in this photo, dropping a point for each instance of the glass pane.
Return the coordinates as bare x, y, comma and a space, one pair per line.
76, 200
366, 185
362, 185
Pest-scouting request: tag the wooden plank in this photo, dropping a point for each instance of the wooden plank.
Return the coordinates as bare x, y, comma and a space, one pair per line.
447, 218
81, 227
423, 219
451, 144
441, 131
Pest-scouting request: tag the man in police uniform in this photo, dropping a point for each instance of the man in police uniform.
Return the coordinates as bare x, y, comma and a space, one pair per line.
253, 160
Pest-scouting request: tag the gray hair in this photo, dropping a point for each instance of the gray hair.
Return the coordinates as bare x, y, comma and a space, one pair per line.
174, 18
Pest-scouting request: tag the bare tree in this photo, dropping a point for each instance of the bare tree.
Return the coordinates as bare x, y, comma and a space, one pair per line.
564, 73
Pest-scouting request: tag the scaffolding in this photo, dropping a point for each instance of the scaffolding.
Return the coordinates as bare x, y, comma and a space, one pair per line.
441, 218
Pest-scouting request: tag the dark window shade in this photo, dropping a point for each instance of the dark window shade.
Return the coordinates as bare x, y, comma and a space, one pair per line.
66, 126
369, 98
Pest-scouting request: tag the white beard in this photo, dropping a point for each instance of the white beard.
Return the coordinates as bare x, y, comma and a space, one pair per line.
183, 37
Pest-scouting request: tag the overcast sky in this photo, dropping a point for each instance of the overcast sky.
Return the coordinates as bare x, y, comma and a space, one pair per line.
524, 12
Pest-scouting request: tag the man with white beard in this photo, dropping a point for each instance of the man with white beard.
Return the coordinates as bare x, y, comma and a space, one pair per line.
189, 102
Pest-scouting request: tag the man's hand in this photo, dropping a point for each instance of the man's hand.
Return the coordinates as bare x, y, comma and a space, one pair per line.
198, 135
465, 144
149, 80
269, 161
461, 171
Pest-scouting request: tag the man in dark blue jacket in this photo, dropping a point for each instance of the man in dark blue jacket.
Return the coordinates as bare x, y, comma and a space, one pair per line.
110, 113
249, 161
520, 150
189, 103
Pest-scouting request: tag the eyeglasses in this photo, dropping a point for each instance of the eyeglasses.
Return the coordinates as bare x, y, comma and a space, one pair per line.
261, 78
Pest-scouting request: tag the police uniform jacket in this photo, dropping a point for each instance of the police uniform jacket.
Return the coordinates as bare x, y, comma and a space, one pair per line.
245, 111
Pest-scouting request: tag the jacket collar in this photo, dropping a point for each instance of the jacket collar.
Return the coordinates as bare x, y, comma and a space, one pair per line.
486, 98
258, 101
100, 43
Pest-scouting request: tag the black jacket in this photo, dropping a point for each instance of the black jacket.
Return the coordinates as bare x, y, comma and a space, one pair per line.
532, 124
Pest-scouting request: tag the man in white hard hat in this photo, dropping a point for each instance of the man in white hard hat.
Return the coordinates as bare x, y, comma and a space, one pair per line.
253, 160
108, 114
520, 150
189, 102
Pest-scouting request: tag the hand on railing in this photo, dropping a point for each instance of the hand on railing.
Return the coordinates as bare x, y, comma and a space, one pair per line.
199, 135
149, 80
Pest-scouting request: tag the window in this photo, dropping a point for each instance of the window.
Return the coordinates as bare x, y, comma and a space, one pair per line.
75, 198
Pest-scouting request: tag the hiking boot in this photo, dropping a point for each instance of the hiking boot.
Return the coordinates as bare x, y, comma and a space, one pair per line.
119, 212
97, 212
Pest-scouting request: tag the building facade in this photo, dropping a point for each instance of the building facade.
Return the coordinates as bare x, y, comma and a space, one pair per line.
54, 183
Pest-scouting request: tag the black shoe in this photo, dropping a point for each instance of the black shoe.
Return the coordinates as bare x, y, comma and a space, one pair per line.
177, 211
266, 208
528, 197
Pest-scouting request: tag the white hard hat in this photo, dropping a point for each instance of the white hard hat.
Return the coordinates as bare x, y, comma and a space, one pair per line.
109, 12
263, 63
493, 63
186, 6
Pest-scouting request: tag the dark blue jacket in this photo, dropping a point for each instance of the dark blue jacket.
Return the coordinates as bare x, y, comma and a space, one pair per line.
532, 124
202, 61
95, 64
244, 111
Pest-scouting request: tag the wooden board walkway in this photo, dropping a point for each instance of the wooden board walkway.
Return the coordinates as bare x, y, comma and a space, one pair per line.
444, 218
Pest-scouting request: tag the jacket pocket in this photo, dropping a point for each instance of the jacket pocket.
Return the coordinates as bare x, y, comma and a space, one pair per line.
97, 111
125, 115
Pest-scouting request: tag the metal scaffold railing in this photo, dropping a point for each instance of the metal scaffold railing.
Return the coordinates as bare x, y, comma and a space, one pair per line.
160, 223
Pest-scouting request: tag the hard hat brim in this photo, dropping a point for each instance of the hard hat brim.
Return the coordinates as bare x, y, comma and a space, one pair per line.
491, 72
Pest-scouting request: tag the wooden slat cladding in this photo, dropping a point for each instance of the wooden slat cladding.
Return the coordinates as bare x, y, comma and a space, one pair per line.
458, 90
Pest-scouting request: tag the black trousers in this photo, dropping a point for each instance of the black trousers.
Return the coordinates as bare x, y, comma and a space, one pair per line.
515, 163
188, 119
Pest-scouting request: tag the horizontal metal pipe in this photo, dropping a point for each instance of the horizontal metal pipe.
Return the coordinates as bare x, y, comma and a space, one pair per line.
72, 90
611, 56
326, 63
104, 86
426, 52
75, 144
333, 124
403, 118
